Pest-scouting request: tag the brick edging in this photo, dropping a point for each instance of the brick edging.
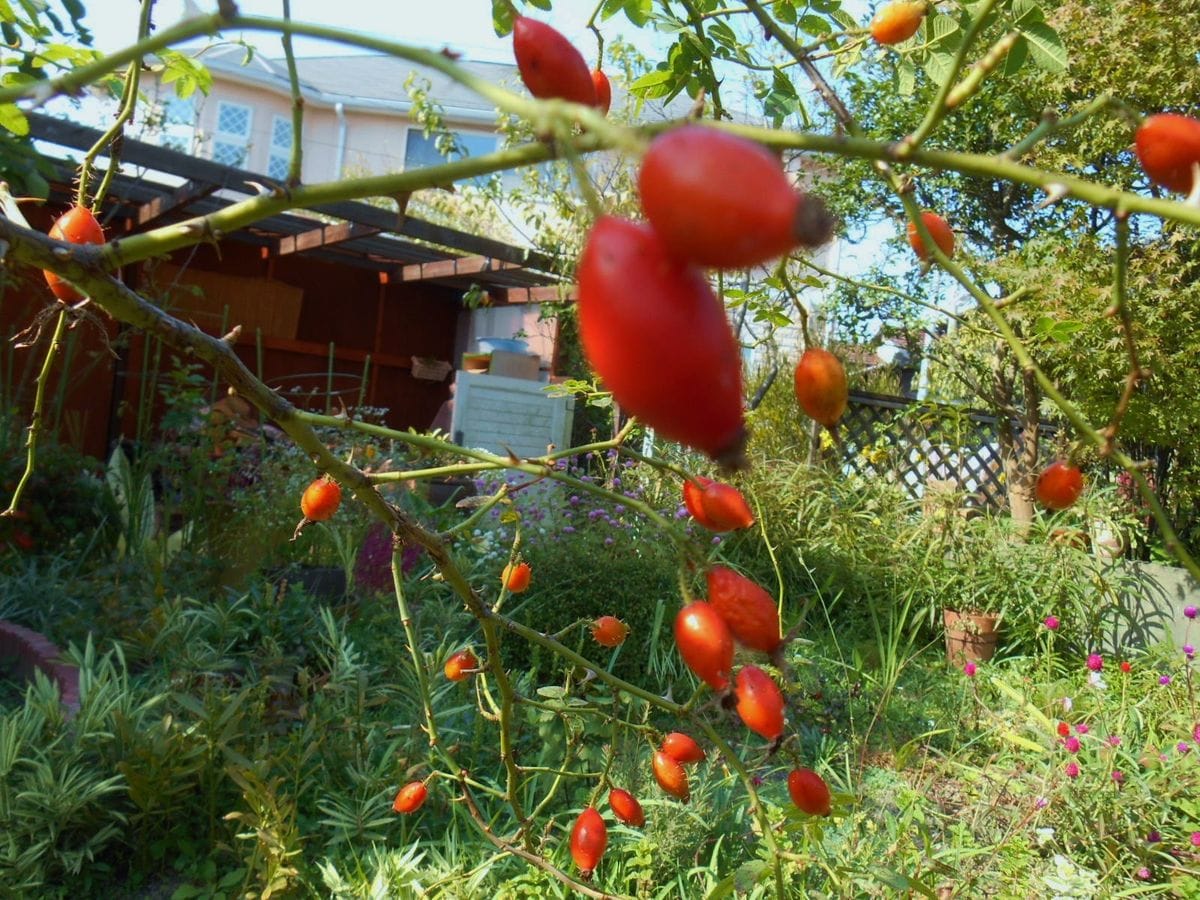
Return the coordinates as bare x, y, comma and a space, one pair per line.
34, 651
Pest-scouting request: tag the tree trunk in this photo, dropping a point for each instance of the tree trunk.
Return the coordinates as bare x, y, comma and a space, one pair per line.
1018, 447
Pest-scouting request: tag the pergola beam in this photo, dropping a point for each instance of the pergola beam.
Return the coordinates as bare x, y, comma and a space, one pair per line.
543, 294
322, 237
452, 268
150, 213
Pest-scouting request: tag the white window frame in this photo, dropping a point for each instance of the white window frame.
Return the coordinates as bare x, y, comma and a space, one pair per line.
279, 155
230, 138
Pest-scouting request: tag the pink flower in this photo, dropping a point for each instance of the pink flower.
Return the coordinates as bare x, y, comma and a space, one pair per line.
1051, 622
1196, 838
1183, 747
1190, 612
1072, 770
969, 669
1082, 728
1114, 740
1042, 803
1143, 873
1095, 662
1164, 679
1196, 732
1118, 776
1072, 744
1153, 837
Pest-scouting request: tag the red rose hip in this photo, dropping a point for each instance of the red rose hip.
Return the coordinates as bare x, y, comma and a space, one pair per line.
722, 201
657, 335
550, 65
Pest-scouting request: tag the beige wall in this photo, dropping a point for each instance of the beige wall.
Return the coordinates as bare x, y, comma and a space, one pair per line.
375, 142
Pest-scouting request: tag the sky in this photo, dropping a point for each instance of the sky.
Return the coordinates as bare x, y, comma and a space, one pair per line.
464, 25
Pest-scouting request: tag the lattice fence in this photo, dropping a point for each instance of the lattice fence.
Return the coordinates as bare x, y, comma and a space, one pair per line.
919, 444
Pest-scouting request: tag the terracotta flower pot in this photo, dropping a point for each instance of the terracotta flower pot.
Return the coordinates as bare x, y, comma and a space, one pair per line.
969, 636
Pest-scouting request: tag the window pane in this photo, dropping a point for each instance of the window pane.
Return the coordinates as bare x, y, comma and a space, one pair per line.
228, 154
233, 119
281, 133
179, 112
421, 151
277, 167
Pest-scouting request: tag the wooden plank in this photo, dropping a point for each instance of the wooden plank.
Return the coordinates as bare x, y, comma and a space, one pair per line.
450, 268
151, 213
341, 354
542, 294
322, 237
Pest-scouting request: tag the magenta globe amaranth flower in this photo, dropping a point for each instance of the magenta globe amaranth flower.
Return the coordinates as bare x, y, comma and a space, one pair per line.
1195, 838
1143, 873
1072, 770
969, 669
1183, 747
1051, 622
1118, 776
1190, 612
1082, 728
1153, 837
1072, 744
1095, 662
1164, 679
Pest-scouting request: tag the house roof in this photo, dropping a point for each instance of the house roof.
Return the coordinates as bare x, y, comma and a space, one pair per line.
361, 80
173, 186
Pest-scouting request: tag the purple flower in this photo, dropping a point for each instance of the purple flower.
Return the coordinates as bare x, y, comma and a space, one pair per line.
1189, 651
608, 542
716, 539
681, 512
568, 529
969, 669
1183, 747
1072, 744
1072, 770
1190, 612
1041, 803
1196, 732
1095, 662
1164, 679
1118, 776
574, 500
619, 509
1051, 623
1153, 837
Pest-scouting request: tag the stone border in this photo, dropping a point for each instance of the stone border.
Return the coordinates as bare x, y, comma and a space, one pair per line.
34, 651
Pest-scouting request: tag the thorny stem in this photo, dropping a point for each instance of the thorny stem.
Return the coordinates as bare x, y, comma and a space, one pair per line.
414, 645
111, 138
35, 418
297, 102
486, 830
1121, 307
756, 809
938, 109
801, 309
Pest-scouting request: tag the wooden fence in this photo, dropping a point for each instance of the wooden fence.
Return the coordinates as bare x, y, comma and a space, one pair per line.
914, 443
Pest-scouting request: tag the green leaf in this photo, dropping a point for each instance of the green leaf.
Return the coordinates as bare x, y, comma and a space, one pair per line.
939, 67
815, 26
13, 120
1026, 12
502, 17
748, 875
906, 78
1059, 330
540, 4
1015, 58
1046, 46
638, 12
654, 84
